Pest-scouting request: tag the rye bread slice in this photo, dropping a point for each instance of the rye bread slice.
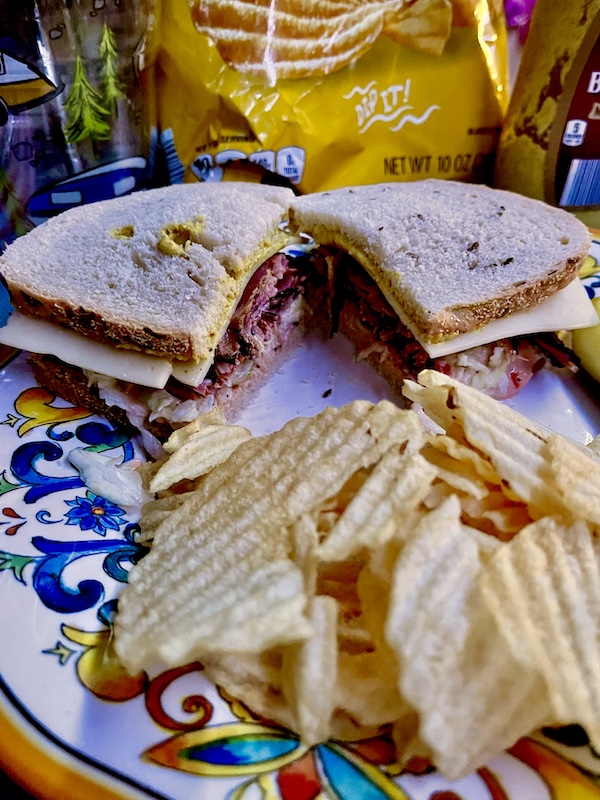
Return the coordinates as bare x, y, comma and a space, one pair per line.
159, 271
449, 256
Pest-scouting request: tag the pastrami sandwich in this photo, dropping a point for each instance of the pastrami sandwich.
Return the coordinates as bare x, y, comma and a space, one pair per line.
152, 307
449, 275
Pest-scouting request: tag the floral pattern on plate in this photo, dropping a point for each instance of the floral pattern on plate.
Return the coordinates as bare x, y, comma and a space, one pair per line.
64, 554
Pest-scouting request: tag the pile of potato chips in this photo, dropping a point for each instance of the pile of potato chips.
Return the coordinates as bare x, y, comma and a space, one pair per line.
354, 571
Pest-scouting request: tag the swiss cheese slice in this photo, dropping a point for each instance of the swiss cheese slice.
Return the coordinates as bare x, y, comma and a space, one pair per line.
39, 336
568, 309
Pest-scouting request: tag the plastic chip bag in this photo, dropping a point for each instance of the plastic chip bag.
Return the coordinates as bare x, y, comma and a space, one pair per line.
325, 93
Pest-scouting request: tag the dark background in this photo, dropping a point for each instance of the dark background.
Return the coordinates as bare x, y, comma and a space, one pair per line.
10, 790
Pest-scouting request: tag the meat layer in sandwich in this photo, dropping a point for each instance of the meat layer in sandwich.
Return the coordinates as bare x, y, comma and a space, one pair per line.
361, 312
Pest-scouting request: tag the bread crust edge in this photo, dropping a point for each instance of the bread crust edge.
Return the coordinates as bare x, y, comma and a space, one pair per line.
462, 319
70, 383
93, 326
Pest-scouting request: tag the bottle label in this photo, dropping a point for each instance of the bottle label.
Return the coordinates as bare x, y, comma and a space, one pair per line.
576, 174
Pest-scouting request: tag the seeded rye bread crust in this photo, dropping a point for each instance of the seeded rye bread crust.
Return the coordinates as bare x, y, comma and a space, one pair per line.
449, 256
109, 269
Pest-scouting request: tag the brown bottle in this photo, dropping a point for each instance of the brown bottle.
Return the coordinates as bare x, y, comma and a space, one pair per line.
550, 142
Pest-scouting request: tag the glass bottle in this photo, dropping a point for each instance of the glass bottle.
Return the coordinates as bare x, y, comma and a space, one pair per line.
550, 142
71, 127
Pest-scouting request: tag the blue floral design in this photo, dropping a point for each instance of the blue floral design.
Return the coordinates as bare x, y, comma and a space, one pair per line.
592, 286
94, 513
56, 556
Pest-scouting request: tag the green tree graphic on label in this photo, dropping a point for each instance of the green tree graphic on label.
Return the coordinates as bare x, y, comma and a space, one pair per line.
14, 215
111, 86
87, 115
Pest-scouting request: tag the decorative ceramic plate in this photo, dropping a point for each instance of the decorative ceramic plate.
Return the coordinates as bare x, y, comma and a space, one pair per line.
74, 725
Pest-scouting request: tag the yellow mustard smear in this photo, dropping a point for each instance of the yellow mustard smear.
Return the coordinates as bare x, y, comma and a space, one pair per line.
126, 232
175, 239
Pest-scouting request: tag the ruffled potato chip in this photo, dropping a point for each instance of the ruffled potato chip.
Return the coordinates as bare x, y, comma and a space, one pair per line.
513, 444
219, 576
455, 668
306, 38
396, 486
543, 589
198, 454
310, 673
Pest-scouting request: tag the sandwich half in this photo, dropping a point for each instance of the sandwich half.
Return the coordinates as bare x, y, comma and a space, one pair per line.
153, 307
448, 275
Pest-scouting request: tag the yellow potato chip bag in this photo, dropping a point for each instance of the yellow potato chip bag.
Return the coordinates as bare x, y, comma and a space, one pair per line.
326, 93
